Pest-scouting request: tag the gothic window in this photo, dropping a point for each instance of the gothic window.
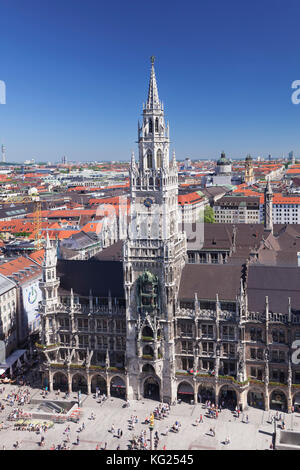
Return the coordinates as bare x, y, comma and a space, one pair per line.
147, 332
149, 159
159, 158
156, 125
150, 126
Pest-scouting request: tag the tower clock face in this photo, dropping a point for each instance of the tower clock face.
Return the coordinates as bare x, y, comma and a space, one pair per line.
148, 202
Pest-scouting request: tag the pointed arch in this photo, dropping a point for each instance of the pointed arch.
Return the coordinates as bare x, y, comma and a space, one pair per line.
159, 162
156, 125
150, 126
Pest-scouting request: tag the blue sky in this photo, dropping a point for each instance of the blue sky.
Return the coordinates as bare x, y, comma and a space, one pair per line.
77, 74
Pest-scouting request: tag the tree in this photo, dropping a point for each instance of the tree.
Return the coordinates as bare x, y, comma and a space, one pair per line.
209, 216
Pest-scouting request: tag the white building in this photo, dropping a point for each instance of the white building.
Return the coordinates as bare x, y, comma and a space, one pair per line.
8, 313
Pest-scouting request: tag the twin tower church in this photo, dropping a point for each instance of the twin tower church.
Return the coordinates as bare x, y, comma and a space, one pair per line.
140, 320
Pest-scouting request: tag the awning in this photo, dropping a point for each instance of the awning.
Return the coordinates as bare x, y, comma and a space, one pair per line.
10, 360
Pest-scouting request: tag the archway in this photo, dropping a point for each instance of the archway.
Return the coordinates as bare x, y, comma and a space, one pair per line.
206, 393
98, 383
60, 382
147, 333
227, 397
151, 389
278, 401
185, 392
255, 398
79, 383
117, 387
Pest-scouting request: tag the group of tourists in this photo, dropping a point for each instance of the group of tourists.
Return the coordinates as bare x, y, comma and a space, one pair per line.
18, 397
161, 411
277, 417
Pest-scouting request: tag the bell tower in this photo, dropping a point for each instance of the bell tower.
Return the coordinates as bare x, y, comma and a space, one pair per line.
153, 258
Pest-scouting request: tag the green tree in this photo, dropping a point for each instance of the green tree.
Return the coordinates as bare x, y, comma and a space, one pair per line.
209, 216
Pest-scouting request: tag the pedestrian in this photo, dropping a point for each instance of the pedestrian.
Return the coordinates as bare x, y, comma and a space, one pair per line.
77, 441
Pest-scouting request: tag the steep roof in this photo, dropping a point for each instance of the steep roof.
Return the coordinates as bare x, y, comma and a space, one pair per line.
96, 275
278, 283
209, 280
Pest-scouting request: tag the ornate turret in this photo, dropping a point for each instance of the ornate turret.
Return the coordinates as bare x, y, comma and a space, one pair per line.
249, 176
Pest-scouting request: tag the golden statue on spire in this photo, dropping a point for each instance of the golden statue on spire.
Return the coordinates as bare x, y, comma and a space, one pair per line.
152, 59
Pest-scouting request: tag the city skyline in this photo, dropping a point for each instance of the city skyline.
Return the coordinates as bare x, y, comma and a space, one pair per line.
74, 82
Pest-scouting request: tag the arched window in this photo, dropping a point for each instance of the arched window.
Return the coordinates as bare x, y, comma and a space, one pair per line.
156, 125
149, 159
159, 158
150, 126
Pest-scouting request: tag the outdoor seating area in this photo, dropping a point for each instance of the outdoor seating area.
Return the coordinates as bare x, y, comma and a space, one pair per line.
32, 425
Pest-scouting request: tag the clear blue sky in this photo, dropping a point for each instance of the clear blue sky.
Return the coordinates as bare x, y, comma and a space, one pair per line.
77, 74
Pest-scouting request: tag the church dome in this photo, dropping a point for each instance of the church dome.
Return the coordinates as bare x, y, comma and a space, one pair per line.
248, 158
223, 160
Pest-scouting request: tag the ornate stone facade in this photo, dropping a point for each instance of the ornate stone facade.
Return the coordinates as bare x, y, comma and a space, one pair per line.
155, 325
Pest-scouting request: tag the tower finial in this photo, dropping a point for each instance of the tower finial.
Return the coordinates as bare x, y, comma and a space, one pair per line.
153, 99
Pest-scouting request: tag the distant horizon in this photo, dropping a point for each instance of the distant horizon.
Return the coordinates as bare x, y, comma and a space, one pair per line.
85, 162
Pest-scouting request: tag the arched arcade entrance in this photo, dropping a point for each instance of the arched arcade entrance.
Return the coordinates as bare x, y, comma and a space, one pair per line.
278, 401
255, 398
117, 387
206, 393
152, 389
60, 382
227, 397
185, 392
98, 383
79, 382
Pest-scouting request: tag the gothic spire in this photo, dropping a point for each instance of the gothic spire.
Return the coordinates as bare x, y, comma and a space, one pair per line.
153, 99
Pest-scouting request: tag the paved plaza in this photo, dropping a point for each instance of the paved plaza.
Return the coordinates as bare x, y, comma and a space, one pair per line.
254, 435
